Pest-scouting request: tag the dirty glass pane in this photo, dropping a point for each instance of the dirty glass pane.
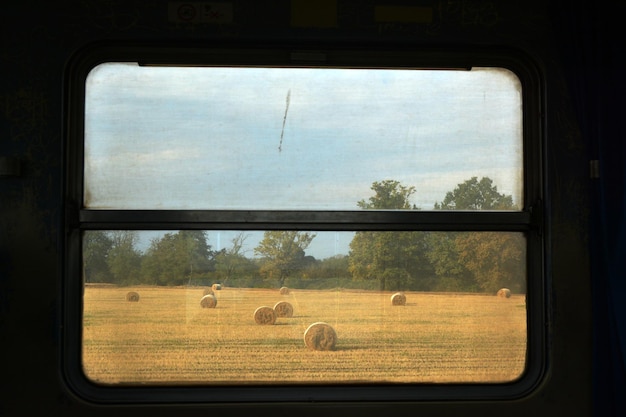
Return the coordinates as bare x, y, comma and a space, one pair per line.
240, 307
296, 138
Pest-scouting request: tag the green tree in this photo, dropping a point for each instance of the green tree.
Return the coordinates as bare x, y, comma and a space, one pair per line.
165, 261
476, 195
124, 260
395, 260
452, 274
177, 258
96, 247
201, 258
283, 253
327, 273
231, 264
472, 261
496, 259
389, 195
329, 268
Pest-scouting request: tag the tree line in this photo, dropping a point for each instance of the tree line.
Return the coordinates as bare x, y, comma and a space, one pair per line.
423, 261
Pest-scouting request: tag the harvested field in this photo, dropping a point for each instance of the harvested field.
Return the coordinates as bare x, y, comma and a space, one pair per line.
168, 337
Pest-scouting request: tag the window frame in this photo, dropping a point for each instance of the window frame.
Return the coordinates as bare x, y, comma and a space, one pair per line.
529, 219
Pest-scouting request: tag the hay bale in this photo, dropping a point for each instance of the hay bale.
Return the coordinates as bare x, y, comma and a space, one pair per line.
320, 336
208, 301
398, 299
283, 309
207, 291
284, 291
264, 315
132, 296
216, 287
504, 293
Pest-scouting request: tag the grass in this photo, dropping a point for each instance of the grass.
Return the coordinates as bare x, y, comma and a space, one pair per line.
167, 337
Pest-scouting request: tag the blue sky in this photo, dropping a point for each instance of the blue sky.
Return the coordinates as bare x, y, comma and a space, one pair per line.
210, 138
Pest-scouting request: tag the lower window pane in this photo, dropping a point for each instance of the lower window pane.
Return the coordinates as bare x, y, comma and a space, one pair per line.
273, 307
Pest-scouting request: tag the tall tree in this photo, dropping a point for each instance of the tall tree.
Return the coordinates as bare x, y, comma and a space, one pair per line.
396, 260
283, 253
232, 262
96, 247
478, 260
452, 273
176, 258
476, 195
124, 259
496, 259
389, 194
201, 256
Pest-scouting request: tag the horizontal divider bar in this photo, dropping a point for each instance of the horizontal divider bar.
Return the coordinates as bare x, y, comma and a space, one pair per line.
303, 220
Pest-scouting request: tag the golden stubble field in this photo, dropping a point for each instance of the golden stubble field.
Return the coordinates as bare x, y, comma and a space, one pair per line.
167, 337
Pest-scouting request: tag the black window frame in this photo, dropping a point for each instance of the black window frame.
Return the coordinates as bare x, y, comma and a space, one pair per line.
529, 220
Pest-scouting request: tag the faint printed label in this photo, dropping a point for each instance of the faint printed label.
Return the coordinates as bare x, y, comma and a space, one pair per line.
200, 12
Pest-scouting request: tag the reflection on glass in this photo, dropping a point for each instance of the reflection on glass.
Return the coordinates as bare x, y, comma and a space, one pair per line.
186, 307
295, 138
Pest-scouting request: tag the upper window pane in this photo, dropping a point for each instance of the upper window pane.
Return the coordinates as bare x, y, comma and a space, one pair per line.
295, 138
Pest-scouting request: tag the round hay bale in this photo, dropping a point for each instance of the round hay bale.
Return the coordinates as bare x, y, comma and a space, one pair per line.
208, 301
264, 315
216, 287
320, 336
398, 299
284, 291
132, 296
504, 293
283, 309
207, 291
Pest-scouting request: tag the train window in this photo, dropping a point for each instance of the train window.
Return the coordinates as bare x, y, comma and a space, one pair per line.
246, 229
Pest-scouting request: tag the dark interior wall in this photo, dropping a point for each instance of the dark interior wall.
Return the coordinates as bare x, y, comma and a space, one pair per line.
40, 37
